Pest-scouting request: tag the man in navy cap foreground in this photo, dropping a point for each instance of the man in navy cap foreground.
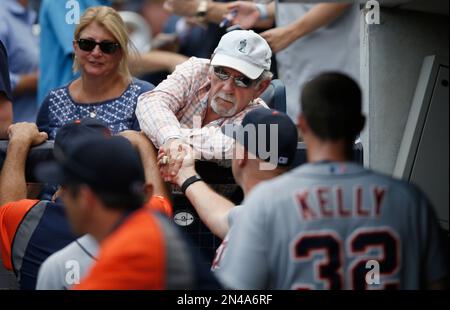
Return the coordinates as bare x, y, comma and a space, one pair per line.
102, 183
33, 229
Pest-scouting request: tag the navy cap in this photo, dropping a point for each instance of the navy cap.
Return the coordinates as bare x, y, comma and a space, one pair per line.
268, 134
106, 164
78, 129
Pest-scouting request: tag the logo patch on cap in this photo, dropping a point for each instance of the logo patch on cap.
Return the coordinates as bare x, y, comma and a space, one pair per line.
242, 45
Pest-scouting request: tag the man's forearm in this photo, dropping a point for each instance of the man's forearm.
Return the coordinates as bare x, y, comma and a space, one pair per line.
13, 186
212, 208
155, 61
320, 15
151, 171
215, 12
157, 120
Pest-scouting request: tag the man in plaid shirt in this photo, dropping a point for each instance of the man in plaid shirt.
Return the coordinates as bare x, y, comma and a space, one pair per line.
201, 96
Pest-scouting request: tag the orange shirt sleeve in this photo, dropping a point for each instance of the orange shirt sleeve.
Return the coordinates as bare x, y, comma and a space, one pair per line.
11, 215
132, 257
160, 204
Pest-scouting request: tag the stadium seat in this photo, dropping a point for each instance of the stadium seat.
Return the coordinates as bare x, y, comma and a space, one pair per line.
275, 95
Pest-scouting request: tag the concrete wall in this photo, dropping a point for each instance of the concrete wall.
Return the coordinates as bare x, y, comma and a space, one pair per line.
391, 58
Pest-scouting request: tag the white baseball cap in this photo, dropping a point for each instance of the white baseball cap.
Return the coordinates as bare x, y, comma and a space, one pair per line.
244, 51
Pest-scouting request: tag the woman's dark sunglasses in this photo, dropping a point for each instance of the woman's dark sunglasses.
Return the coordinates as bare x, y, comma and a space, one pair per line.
106, 47
240, 81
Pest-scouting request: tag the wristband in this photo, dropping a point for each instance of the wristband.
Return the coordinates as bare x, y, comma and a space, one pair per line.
263, 13
190, 181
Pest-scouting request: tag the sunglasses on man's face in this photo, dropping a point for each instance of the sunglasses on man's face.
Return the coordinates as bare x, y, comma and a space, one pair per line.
106, 47
239, 81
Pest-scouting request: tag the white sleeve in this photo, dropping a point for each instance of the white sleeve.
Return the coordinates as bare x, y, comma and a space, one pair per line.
209, 142
234, 214
246, 265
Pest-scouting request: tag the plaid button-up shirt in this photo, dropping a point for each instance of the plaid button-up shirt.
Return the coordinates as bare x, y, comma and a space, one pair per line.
176, 109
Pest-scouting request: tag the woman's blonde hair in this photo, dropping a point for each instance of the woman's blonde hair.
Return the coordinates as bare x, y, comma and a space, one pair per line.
109, 19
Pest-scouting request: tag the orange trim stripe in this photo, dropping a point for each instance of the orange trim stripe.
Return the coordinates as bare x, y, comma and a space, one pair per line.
11, 215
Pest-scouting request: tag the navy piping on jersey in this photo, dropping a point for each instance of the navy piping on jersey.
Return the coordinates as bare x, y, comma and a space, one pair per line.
85, 250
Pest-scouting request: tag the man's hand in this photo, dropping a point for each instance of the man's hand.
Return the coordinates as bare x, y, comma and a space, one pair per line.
186, 169
247, 15
171, 156
320, 15
22, 136
182, 7
26, 133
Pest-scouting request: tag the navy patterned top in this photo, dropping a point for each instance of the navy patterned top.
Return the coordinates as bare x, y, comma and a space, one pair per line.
58, 108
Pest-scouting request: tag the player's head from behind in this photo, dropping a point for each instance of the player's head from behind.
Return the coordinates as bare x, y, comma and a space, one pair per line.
266, 143
102, 179
331, 111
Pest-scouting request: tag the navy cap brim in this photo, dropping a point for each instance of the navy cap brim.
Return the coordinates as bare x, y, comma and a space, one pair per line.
51, 172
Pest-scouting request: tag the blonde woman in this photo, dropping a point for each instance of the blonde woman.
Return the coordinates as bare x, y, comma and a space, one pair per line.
105, 89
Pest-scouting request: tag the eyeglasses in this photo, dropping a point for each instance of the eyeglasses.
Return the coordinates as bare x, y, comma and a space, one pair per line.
106, 47
239, 81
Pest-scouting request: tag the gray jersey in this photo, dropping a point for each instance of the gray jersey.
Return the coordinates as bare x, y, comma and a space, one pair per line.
221, 250
333, 226
68, 266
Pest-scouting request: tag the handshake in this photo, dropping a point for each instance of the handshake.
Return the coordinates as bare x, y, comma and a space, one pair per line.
176, 162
